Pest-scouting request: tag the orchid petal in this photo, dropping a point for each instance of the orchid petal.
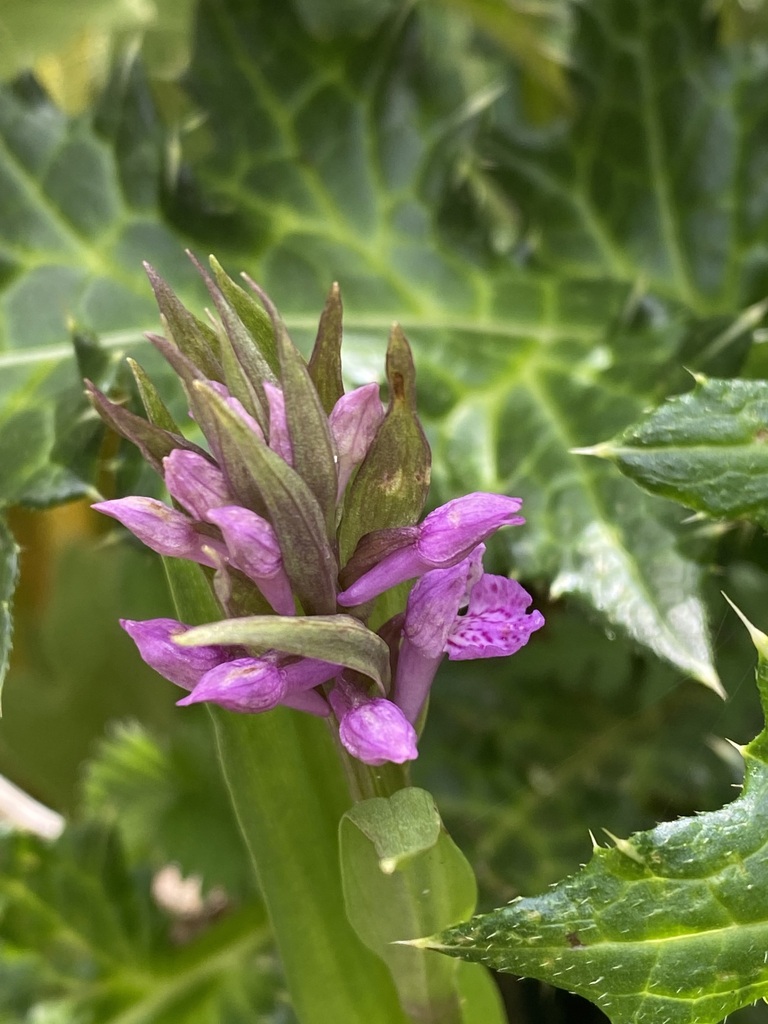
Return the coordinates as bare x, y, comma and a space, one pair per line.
279, 436
377, 731
236, 406
496, 623
248, 685
183, 666
450, 532
254, 549
446, 536
434, 603
163, 529
195, 482
353, 423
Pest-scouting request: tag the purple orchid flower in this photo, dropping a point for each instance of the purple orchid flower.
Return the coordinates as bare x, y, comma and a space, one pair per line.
184, 667
195, 482
279, 435
444, 538
252, 685
164, 530
353, 423
254, 549
494, 625
373, 730
235, 405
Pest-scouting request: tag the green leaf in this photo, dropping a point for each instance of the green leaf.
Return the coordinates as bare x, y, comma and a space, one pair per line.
82, 940
9, 572
706, 449
621, 194
288, 790
76, 212
402, 873
195, 339
313, 452
255, 320
339, 639
669, 924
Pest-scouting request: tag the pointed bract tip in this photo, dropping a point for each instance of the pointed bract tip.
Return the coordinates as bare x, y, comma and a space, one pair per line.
595, 844
758, 638
427, 943
738, 747
597, 451
197, 264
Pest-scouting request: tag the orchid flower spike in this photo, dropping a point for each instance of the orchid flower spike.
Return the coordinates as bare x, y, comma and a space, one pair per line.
305, 501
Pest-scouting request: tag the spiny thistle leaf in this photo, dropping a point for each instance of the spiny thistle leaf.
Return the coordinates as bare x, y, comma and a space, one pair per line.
670, 926
706, 449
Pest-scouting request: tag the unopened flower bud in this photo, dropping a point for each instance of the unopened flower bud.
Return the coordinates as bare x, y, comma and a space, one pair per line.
163, 529
184, 666
195, 482
279, 435
354, 420
253, 548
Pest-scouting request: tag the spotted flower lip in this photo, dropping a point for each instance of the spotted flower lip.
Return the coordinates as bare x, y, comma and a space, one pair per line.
495, 624
445, 537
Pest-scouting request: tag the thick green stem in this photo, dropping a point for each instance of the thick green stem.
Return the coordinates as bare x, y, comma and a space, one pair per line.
289, 792
365, 781
291, 783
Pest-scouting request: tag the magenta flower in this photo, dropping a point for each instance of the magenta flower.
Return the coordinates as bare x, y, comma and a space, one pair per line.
353, 423
253, 548
195, 482
279, 435
280, 528
494, 625
164, 530
372, 730
185, 668
252, 685
236, 406
444, 538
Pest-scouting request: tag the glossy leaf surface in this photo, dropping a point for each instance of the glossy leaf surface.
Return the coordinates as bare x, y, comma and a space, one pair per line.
669, 924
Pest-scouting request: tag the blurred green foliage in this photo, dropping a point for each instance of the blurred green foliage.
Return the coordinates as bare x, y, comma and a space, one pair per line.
564, 204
